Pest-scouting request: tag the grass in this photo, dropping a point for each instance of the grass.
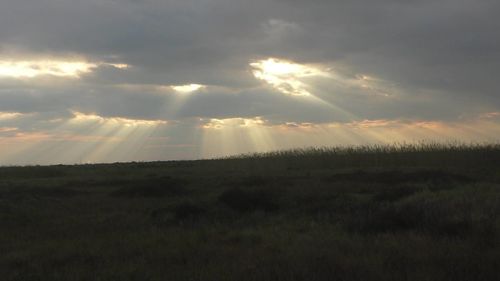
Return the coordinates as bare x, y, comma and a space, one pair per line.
403, 212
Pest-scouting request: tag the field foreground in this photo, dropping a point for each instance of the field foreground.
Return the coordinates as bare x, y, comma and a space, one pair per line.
427, 212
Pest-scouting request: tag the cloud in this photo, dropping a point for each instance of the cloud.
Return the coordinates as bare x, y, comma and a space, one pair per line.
293, 65
30, 69
285, 76
82, 117
9, 115
187, 88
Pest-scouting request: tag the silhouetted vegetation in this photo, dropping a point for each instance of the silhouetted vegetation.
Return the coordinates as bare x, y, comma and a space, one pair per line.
155, 187
250, 200
407, 212
394, 177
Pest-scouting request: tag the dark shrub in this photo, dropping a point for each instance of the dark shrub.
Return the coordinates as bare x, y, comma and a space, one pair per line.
56, 192
396, 193
161, 187
398, 218
395, 177
35, 192
253, 181
188, 211
250, 200
33, 172
421, 215
246, 181
182, 212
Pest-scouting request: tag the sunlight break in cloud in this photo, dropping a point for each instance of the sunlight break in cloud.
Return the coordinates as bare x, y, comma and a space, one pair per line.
490, 115
82, 117
218, 124
8, 129
30, 69
10, 115
187, 88
284, 75
119, 65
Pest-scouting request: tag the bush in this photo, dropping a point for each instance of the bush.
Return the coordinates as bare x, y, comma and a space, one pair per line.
162, 187
182, 212
32, 172
250, 200
253, 181
423, 212
188, 211
396, 193
36, 192
396, 177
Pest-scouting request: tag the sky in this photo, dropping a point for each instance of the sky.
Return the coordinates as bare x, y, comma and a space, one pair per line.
145, 80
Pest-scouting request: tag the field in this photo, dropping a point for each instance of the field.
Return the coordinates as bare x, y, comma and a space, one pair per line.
407, 212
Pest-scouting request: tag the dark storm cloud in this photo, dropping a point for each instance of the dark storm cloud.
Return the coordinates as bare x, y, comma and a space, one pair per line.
440, 57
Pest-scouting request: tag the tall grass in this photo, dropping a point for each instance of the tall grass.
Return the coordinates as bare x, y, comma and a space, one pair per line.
422, 154
414, 212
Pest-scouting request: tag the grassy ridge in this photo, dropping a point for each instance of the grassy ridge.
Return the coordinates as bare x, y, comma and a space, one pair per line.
409, 155
424, 212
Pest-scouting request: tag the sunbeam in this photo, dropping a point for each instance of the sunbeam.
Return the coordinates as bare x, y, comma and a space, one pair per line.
87, 138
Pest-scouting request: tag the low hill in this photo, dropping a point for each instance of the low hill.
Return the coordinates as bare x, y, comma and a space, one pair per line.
402, 212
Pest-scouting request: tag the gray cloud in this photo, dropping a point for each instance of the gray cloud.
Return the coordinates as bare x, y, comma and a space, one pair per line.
432, 60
